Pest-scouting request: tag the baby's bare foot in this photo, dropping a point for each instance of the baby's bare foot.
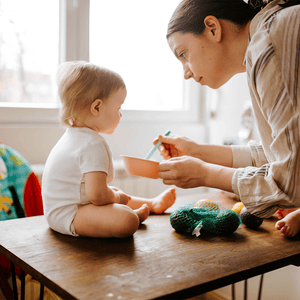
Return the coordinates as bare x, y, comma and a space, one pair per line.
290, 224
163, 201
281, 213
143, 212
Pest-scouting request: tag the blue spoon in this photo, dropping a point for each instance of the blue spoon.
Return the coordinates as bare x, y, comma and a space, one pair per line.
156, 146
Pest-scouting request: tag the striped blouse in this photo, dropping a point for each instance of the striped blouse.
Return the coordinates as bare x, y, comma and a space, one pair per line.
268, 174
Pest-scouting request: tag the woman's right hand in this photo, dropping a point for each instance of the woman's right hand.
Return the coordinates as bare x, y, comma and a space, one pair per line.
177, 146
174, 146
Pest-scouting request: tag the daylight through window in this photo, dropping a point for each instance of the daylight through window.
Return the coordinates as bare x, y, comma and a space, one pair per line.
130, 38
29, 47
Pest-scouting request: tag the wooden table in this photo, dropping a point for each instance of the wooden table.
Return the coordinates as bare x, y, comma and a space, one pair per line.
156, 263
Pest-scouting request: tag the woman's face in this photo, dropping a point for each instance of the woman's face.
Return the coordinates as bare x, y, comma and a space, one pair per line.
202, 57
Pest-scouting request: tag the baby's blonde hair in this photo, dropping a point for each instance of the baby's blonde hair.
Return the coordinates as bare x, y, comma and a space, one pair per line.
80, 83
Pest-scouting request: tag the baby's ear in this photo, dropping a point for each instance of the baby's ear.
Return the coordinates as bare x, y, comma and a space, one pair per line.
96, 107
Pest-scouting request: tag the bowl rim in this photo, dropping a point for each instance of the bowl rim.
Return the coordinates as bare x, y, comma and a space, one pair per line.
138, 158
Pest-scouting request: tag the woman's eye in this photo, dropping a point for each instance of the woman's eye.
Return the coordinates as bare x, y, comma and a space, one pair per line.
182, 55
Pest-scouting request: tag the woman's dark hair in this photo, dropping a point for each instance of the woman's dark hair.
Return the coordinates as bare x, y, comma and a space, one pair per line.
259, 4
190, 14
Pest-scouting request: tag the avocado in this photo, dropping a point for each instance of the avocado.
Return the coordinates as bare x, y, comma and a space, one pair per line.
251, 221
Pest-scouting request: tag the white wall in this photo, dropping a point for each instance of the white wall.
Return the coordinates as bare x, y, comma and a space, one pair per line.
130, 138
36, 142
227, 104
282, 284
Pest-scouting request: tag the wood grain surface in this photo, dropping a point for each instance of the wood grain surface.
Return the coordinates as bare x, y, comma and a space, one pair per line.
156, 262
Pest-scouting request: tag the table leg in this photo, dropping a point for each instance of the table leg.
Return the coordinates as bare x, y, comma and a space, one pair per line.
296, 261
14, 282
245, 289
22, 285
260, 286
4, 285
42, 292
233, 292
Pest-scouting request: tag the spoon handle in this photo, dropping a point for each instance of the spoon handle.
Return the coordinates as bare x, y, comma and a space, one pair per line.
156, 146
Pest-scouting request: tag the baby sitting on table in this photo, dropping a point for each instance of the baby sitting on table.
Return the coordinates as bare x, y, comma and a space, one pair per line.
76, 196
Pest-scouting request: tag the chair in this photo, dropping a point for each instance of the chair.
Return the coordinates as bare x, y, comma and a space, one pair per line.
20, 197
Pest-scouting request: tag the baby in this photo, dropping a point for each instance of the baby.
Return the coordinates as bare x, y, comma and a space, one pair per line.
289, 221
77, 198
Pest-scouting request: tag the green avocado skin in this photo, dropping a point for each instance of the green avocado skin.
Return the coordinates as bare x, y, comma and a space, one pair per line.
250, 220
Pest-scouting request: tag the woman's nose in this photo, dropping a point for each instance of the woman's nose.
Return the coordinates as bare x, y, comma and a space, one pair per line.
187, 73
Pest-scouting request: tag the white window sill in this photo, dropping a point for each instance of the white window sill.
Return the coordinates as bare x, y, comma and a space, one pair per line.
26, 114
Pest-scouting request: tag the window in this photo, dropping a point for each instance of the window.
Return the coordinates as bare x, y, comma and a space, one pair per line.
77, 30
28, 51
130, 38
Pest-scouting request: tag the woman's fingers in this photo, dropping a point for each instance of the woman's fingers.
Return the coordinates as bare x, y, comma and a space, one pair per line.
169, 182
164, 166
182, 171
168, 169
165, 153
171, 139
163, 139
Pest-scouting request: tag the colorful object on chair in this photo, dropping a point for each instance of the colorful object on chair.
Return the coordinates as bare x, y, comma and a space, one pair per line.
20, 190
250, 220
205, 215
237, 207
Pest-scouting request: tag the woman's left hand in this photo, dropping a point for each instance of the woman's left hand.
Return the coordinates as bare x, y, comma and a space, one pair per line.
189, 172
183, 171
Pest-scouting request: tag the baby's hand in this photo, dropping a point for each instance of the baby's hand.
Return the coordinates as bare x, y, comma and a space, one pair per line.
123, 198
115, 188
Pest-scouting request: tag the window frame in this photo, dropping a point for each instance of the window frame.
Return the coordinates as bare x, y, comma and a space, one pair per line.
74, 45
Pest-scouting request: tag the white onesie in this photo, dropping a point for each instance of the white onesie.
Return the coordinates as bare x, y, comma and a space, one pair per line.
79, 151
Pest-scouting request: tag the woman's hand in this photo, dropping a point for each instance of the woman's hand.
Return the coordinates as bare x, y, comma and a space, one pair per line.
174, 146
189, 172
184, 172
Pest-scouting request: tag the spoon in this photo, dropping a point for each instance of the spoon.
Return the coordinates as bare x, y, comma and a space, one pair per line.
156, 146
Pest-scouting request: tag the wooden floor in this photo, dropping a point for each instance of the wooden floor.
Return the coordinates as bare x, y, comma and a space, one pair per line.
209, 296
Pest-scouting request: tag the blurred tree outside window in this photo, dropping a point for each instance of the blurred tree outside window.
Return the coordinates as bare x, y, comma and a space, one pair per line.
29, 50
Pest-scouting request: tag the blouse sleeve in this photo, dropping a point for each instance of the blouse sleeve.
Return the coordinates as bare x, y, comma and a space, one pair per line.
250, 155
274, 78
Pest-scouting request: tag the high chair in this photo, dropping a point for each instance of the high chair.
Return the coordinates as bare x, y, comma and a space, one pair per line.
20, 197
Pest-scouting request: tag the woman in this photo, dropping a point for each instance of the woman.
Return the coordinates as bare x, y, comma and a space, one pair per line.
214, 40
